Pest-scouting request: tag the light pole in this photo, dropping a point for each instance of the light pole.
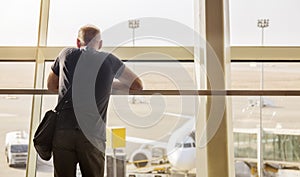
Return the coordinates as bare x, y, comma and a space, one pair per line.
133, 24
261, 23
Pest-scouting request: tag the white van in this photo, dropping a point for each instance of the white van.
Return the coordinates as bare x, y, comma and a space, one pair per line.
16, 148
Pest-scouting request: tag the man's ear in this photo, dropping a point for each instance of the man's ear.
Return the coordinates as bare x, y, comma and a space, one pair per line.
78, 43
100, 44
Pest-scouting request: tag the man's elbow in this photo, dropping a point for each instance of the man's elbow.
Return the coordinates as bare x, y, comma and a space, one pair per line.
136, 85
52, 82
55, 90
52, 88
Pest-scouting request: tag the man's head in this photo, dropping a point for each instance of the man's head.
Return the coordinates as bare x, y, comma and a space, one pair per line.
89, 35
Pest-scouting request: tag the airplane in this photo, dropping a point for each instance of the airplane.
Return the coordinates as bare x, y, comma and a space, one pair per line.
179, 151
254, 101
252, 108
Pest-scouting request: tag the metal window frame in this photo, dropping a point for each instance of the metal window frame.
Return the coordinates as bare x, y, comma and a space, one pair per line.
41, 53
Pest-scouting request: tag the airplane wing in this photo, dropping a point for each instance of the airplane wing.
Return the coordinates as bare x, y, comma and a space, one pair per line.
154, 142
145, 141
179, 115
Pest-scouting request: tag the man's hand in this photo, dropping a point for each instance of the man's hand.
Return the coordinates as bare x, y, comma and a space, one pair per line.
128, 81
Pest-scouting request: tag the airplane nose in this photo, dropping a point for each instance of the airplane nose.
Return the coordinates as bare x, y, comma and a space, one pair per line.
183, 158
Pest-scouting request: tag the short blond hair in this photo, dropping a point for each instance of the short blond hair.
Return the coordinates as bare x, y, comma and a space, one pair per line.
87, 33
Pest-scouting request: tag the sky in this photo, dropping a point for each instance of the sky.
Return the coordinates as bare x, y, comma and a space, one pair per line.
284, 18
19, 20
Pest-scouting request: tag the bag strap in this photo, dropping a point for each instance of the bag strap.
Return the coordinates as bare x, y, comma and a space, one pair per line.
61, 103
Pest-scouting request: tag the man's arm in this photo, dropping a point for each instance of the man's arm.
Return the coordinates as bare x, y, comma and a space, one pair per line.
128, 80
52, 82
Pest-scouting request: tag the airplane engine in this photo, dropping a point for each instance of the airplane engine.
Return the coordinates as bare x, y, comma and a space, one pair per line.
141, 158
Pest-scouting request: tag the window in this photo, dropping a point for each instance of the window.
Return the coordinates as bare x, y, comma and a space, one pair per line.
66, 17
275, 116
17, 74
19, 22
15, 113
282, 31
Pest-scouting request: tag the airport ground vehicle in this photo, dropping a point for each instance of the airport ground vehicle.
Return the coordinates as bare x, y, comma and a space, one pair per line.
147, 175
16, 147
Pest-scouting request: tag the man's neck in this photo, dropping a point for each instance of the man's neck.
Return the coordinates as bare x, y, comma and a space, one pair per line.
88, 48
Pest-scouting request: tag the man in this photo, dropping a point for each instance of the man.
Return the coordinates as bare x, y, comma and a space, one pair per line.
80, 134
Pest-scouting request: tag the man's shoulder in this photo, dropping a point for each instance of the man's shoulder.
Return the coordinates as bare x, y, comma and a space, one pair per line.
105, 55
68, 50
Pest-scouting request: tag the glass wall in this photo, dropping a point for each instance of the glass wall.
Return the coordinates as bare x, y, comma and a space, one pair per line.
164, 115
156, 118
19, 25
17, 74
15, 113
276, 117
282, 30
146, 118
112, 17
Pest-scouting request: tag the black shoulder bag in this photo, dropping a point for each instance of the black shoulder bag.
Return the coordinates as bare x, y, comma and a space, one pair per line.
44, 134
